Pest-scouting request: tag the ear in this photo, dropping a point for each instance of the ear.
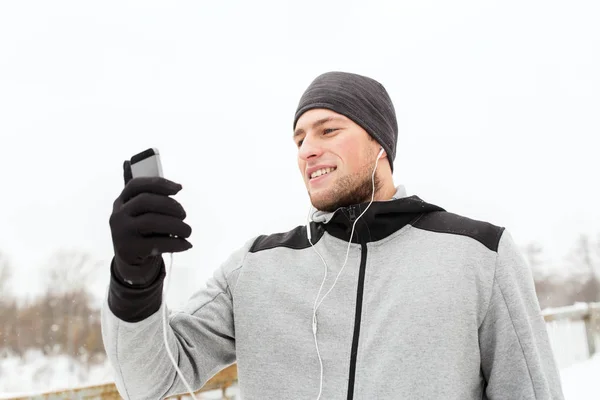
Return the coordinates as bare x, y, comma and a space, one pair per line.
381, 153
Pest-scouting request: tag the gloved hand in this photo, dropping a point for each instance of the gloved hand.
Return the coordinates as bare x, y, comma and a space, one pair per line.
145, 223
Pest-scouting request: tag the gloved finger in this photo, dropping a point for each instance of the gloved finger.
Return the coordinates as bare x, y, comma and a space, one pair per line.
127, 175
154, 203
163, 244
147, 184
151, 224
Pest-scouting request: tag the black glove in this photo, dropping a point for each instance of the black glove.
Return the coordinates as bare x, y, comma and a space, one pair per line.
145, 223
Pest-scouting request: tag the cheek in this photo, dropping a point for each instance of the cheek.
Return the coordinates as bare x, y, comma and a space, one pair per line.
349, 155
301, 166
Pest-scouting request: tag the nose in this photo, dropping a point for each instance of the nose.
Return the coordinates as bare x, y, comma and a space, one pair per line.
309, 148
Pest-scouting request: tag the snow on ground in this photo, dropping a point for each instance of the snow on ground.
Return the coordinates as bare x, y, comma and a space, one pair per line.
36, 373
581, 381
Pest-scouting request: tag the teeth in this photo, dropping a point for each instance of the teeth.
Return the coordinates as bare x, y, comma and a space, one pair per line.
320, 172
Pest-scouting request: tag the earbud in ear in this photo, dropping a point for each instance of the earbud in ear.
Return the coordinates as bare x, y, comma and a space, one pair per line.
380, 152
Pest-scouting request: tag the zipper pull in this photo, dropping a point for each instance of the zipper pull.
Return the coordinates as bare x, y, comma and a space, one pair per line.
352, 213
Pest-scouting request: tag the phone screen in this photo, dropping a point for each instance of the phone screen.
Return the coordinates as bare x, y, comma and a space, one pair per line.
146, 163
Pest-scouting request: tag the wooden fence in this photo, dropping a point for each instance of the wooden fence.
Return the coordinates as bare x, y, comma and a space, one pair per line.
574, 333
108, 391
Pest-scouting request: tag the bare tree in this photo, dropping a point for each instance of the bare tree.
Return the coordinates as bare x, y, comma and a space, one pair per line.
596, 247
70, 274
5, 277
60, 321
533, 252
585, 263
543, 288
71, 271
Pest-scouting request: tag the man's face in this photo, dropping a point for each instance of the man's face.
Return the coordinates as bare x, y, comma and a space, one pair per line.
336, 158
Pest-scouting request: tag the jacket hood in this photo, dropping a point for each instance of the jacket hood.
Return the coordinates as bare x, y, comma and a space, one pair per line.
381, 218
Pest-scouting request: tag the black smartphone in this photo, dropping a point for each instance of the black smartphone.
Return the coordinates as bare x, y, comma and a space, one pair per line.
145, 163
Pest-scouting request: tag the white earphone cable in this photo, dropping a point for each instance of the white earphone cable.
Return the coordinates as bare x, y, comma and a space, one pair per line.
316, 306
165, 322
314, 317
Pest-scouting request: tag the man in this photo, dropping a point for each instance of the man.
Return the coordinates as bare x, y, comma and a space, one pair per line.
381, 296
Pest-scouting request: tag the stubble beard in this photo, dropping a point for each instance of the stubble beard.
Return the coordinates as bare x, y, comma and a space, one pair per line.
348, 190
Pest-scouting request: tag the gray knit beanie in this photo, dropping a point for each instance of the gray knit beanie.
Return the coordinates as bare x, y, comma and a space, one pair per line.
362, 99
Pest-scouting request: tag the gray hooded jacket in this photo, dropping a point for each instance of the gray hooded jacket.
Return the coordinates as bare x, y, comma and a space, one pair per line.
431, 305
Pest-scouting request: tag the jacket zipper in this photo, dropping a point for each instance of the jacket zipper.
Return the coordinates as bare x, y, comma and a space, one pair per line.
352, 214
358, 311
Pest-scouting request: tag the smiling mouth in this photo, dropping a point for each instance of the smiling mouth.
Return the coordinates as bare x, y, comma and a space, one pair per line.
322, 172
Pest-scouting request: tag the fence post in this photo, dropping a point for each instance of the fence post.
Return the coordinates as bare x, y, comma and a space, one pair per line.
592, 326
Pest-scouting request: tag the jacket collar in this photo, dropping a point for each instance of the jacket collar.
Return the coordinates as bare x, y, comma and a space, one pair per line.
381, 219
325, 216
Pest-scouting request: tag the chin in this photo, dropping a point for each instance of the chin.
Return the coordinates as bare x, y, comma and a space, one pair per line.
322, 200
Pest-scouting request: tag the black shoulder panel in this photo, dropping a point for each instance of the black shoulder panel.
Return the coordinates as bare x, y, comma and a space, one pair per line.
445, 222
295, 239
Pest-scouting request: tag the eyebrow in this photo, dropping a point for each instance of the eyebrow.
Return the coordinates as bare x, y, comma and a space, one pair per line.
318, 123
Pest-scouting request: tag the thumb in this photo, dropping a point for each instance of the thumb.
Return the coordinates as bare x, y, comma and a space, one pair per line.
127, 175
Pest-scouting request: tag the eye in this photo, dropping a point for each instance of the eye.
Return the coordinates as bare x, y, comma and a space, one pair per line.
326, 131
299, 143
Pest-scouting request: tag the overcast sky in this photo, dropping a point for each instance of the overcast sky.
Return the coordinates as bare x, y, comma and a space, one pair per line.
497, 103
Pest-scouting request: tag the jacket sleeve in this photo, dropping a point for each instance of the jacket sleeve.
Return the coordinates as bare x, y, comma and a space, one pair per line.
201, 336
516, 358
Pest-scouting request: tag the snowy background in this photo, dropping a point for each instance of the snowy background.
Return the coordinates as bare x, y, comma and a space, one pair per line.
497, 105
37, 373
